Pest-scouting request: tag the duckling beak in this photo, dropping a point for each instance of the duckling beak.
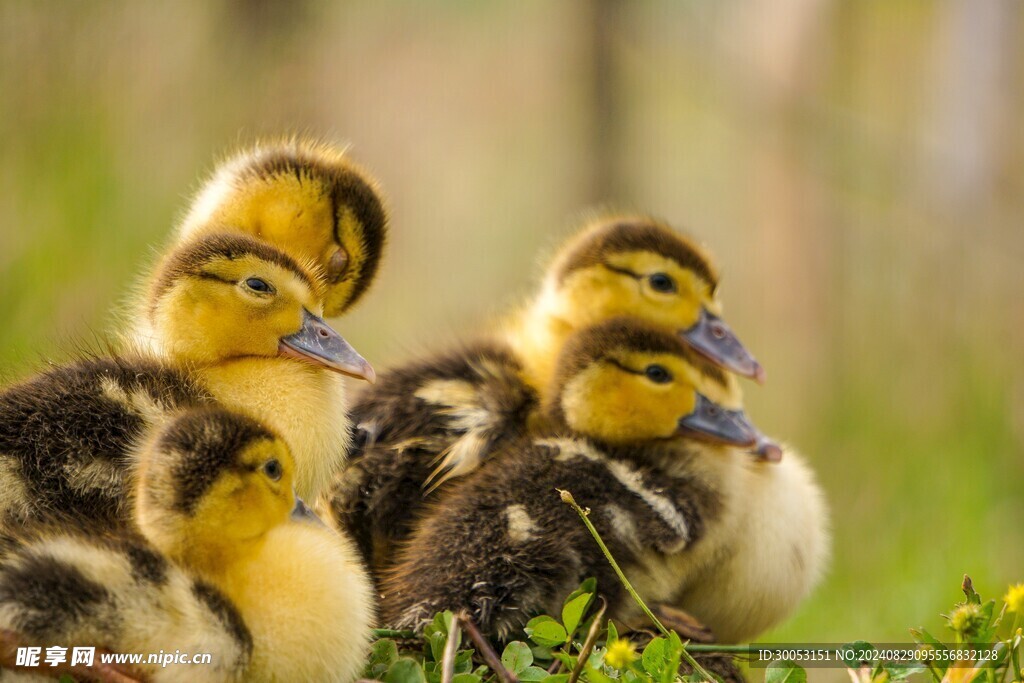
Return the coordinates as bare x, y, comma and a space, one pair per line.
302, 513
711, 422
767, 450
317, 342
712, 338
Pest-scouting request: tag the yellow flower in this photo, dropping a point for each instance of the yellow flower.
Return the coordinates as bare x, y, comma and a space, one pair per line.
966, 619
620, 654
1014, 598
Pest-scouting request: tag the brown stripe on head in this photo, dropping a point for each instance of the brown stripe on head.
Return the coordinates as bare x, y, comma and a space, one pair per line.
201, 445
640, 233
191, 259
599, 342
349, 187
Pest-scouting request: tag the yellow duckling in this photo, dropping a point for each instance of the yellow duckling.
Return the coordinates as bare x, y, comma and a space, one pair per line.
235, 322
439, 417
226, 561
630, 433
627, 265
307, 199
244, 316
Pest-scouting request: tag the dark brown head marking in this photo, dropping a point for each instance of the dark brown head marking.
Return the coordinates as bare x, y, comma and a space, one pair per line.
637, 234
190, 260
599, 341
350, 188
203, 444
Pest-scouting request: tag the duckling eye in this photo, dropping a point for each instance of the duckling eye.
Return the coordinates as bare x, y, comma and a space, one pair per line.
661, 282
658, 374
258, 285
272, 468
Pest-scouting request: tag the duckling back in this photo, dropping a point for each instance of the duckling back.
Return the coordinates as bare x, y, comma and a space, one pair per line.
66, 435
90, 590
420, 425
513, 550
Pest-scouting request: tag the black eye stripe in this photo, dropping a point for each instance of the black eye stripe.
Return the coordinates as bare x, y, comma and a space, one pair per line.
645, 372
660, 282
622, 271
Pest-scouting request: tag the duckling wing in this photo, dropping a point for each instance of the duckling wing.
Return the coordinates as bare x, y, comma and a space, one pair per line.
502, 546
118, 594
420, 426
67, 435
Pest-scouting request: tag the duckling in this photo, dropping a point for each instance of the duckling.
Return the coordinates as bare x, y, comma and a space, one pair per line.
235, 323
245, 316
436, 419
627, 265
78, 587
625, 405
306, 198
224, 561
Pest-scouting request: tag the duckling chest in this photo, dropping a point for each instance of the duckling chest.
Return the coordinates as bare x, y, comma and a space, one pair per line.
305, 405
659, 575
308, 603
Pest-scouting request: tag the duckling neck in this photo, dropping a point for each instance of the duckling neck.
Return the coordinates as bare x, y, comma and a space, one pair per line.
220, 562
536, 335
303, 403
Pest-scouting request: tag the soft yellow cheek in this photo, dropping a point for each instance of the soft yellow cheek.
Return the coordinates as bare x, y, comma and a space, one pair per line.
590, 296
619, 410
245, 514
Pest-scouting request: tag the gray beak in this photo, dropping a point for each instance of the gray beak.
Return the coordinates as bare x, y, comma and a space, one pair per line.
317, 342
711, 422
302, 513
712, 338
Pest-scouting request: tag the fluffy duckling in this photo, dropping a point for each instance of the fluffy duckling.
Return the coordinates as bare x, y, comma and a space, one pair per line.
626, 423
235, 321
627, 265
245, 317
225, 561
436, 419
307, 199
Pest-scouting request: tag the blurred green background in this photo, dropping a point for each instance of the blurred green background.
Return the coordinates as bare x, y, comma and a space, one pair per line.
857, 167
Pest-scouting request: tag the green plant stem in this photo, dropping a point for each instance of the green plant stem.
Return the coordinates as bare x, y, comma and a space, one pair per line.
571, 502
1014, 653
722, 649
451, 647
379, 633
588, 644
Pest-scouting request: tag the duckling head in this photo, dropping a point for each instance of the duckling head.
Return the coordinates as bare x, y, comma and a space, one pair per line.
641, 267
625, 381
224, 296
307, 199
210, 484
